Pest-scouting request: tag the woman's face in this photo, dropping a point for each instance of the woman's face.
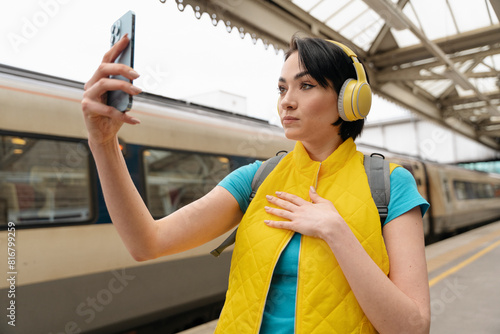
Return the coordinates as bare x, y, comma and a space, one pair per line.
306, 109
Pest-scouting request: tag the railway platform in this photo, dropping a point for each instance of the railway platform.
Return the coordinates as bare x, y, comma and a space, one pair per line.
464, 280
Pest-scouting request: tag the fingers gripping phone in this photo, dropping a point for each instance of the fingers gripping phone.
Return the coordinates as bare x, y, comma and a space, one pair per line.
124, 25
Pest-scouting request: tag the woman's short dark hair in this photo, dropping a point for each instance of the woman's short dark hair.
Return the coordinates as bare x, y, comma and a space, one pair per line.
330, 66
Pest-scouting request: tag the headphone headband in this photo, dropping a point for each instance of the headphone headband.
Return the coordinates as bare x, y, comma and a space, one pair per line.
347, 50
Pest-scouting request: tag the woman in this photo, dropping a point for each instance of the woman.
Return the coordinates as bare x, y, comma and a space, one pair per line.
310, 255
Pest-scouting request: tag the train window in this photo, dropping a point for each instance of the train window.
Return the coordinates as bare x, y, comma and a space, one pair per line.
44, 181
470, 190
488, 191
460, 190
480, 190
174, 179
496, 190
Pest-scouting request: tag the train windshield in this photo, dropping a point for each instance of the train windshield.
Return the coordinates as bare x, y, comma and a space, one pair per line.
43, 181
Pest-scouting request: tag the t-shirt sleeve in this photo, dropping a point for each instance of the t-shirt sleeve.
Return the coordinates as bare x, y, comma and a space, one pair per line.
404, 195
239, 183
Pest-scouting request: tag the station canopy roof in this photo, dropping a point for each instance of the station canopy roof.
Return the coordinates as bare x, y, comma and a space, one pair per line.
438, 58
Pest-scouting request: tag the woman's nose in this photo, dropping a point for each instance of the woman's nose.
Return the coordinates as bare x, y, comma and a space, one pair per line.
288, 101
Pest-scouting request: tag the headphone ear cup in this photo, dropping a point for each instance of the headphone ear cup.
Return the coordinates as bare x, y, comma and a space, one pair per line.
355, 100
362, 100
344, 101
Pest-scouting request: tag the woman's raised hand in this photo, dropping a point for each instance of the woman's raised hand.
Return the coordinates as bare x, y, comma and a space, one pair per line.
103, 121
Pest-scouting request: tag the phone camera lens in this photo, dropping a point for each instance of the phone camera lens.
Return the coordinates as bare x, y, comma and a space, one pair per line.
115, 29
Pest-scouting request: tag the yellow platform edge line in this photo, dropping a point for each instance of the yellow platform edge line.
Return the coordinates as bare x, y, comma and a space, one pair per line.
463, 263
443, 259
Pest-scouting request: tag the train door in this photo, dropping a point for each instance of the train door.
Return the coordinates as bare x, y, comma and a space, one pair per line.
417, 169
447, 199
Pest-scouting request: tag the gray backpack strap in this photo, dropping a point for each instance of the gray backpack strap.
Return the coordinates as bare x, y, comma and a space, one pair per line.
259, 177
225, 244
378, 172
264, 170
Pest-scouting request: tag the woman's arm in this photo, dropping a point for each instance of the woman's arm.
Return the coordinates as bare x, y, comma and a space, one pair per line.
399, 303
191, 226
201, 221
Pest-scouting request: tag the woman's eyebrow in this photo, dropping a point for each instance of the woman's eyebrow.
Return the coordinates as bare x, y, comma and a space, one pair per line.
297, 76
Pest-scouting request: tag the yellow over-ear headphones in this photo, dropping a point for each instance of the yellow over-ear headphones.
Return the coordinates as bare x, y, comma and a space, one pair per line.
355, 97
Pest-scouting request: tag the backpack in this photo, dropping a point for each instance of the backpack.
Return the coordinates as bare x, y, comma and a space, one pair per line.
376, 168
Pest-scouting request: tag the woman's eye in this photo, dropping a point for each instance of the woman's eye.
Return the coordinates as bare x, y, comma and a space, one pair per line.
306, 86
281, 89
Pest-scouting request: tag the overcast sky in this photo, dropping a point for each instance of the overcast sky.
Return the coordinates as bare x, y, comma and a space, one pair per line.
177, 55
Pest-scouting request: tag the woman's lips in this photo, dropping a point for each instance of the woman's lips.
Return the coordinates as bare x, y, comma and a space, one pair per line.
289, 119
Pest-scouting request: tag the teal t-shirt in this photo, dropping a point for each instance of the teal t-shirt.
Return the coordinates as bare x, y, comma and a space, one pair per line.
279, 313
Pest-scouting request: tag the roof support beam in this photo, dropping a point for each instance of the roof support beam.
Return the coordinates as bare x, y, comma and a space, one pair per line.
496, 7
477, 56
449, 102
411, 101
261, 19
317, 28
450, 45
453, 72
273, 21
429, 110
385, 32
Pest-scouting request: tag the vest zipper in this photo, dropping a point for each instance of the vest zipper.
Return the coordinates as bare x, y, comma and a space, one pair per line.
298, 265
269, 286
297, 288
317, 177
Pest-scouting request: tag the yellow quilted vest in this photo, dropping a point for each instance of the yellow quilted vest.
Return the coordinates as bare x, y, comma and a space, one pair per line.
325, 302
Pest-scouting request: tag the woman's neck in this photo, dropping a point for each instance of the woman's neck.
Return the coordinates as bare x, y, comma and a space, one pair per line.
322, 150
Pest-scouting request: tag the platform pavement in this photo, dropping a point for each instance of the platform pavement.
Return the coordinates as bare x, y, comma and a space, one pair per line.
464, 279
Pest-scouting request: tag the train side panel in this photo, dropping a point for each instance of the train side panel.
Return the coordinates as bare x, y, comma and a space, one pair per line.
74, 274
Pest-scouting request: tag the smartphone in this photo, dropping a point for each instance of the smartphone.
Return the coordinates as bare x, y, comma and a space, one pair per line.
124, 25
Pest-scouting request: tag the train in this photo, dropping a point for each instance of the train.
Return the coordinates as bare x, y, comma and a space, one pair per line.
69, 270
